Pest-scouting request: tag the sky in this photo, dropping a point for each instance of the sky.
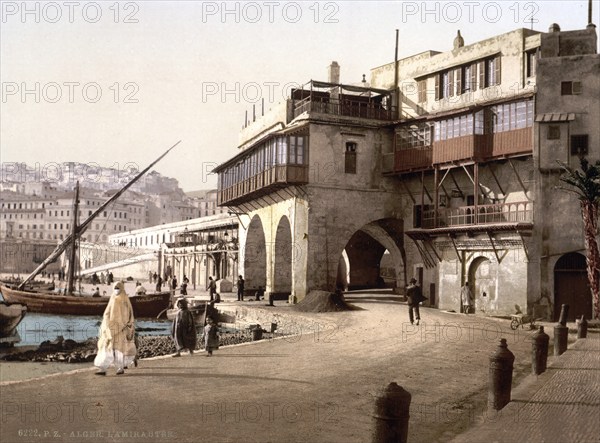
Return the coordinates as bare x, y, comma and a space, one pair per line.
117, 83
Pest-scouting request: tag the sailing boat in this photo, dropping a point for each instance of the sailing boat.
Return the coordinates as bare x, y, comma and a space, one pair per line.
47, 302
10, 317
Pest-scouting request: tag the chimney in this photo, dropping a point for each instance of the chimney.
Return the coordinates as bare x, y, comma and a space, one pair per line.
334, 72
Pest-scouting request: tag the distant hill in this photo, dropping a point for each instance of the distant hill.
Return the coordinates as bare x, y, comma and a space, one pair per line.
63, 176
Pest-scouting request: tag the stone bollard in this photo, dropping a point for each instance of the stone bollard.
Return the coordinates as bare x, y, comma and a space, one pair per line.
582, 326
561, 337
539, 351
501, 368
564, 313
257, 332
392, 407
561, 332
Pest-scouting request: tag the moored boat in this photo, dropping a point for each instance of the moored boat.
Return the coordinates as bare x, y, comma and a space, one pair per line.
10, 317
149, 305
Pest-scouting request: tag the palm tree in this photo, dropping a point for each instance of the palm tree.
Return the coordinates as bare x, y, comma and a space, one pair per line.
586, 184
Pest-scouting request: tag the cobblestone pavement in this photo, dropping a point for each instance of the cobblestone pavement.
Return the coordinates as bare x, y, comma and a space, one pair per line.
317, 386
560, 405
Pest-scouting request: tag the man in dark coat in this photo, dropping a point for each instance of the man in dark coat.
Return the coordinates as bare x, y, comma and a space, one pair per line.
212, 288
184, 329
240, 287
414, 297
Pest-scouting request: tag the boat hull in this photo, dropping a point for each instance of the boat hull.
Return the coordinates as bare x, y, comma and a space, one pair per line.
10, 317
149, 305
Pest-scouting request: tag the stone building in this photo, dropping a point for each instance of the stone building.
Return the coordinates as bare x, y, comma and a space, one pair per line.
197, 248
443, 169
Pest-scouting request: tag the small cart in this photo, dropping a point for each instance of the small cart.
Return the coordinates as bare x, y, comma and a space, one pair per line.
517, 320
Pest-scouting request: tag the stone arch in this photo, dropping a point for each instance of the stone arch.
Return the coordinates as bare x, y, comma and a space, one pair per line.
255, 255
571, 286
483, 277
282, 259
343, 273
365, 249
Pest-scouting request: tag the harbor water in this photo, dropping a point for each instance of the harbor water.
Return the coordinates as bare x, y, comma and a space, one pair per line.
36, 328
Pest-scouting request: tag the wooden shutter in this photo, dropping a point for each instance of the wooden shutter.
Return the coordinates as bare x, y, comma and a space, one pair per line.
437, 86
481, 67
459, 87
451, 83
421, 91
497, 69
350, 162
473, 78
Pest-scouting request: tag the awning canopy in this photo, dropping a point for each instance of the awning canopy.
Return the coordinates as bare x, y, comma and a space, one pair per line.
554, 117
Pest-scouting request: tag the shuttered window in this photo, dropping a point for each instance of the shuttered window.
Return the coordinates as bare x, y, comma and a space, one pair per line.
350, 158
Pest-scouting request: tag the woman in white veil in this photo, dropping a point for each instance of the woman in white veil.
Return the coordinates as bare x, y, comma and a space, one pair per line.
116, 338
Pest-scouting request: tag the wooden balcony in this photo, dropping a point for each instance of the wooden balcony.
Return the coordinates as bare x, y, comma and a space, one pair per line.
518, 141
345, 107
501, 213
263, 183
413, 159
468, 147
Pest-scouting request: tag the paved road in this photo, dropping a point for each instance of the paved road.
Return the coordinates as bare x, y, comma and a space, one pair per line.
318, 386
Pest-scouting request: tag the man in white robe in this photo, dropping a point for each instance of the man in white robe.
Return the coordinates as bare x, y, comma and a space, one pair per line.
116, 344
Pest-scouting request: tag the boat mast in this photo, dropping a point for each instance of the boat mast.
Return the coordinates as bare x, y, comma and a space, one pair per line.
73, 251
81, 229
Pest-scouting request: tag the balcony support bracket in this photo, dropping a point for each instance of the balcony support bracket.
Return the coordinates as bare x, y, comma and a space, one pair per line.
237, 214
424, 189
412, 197
498, 257
427, 259
455, 248
456, 184
496, 179
524, 245
518, 177
444, 177
287, 191
435, 251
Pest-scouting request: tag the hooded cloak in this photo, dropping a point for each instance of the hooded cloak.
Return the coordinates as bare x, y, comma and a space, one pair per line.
184, 327
117, 331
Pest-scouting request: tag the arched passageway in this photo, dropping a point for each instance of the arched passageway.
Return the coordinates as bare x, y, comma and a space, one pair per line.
283, 254
255, 255
360, 263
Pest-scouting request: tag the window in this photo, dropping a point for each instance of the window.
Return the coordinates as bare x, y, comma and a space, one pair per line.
511, 116
553, 132
579, 144
446, 82
420, 212
492, 72
350, 159
414, 136
422, 91
296, 150
458, 80
531, 60
570, 88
